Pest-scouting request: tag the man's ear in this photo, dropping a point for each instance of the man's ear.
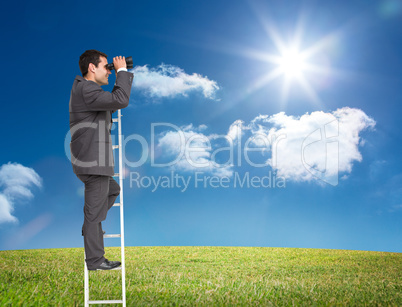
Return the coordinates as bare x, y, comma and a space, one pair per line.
91, 67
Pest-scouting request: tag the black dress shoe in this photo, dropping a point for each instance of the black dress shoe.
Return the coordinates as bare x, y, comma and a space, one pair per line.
114, 263
107, 265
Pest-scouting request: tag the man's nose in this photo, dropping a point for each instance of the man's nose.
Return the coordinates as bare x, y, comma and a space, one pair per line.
109, 72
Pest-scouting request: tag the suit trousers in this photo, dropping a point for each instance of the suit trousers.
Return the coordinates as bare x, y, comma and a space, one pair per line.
100, 195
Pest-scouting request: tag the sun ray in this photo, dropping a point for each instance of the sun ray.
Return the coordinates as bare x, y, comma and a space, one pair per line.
265, 79
321, 45
310, 91
297, 39
285, 92
260, 55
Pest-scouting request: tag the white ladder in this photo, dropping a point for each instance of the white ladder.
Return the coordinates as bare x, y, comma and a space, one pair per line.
121, 235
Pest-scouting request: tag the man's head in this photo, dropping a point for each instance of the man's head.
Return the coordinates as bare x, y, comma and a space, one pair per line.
93, 66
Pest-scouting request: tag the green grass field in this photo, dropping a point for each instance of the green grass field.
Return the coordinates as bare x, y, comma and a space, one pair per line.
188, 276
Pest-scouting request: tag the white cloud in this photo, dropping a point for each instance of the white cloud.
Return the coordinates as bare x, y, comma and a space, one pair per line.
5, 210
191, 151
236, 130
170, 81
313, 146
319, 146
16, 182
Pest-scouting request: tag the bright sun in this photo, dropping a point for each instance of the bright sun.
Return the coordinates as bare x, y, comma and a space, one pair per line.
296, 66
291, 64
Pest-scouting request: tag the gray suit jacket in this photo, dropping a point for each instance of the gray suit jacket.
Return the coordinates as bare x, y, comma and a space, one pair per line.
91, 111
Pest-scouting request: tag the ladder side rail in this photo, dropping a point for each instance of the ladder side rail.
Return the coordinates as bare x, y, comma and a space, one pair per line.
121, 172
86, 283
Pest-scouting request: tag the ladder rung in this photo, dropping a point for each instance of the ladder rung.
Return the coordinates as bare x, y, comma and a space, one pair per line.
115, 120
112, 236
116, 175
116, 205
115, 146
106, 302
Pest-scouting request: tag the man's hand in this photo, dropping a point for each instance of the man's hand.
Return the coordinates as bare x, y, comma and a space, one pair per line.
119, 62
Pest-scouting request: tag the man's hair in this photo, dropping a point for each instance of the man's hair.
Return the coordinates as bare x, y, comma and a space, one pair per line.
89, 56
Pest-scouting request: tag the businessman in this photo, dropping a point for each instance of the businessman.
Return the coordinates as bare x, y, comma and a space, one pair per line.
91, 111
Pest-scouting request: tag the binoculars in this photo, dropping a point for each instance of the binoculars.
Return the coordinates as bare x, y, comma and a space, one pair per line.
129, 62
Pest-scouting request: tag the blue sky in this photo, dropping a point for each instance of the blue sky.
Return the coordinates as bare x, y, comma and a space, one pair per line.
216, 71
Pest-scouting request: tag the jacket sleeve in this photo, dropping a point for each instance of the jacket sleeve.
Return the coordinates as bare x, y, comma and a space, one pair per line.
97, 99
